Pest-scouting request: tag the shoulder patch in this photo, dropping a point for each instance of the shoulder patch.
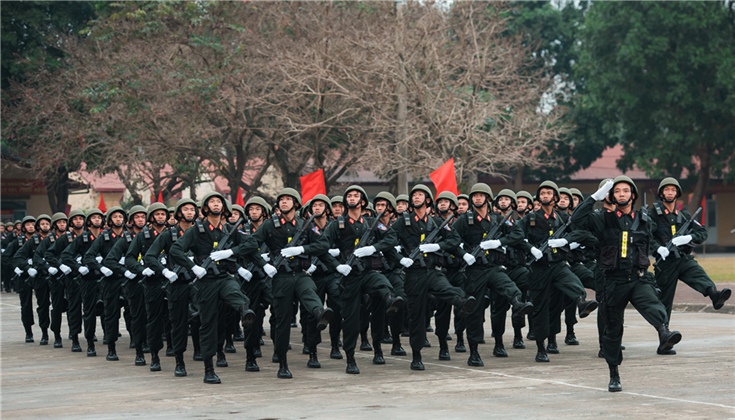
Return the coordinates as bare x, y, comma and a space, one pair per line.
447, 227
698, 224
316, 230
382, 226
509, 222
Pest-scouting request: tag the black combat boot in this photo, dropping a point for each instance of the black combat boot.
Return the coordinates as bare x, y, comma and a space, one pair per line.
464, 306
571, 339
335, 354
111, 353
518, 339
229, 345
247, 316
499, 349
718, 298
396, 349
57, 341
585, 307
283, 372
91, 352
180, 366
75, 346
251, 365
378, 354
221, 360
364, 343
614, 385
552, 347
139, 357
459, 347
209, 376
416, 363
313, 360
257, 352
155, 361
520, 310
667, 340
444, 349
324, 317
197, 356
474, 359
29, 335
541, 355
44, 338
238, 335
351, 364
393, 304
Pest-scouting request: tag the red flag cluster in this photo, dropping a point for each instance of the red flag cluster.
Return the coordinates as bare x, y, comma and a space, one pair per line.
445, 179
312, 184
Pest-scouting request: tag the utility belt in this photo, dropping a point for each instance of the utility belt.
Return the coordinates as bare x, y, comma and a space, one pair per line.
624, 275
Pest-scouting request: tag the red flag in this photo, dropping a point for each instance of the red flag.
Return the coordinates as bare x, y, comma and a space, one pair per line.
160, 197
444, 178
239, 200
312, 184
102, 206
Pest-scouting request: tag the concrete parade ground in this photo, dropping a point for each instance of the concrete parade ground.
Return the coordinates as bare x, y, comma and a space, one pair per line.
697, 383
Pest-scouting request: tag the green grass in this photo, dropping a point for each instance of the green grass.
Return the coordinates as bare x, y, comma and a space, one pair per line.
719, 269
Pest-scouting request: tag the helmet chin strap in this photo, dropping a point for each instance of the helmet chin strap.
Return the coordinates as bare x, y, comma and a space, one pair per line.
622, 203
546, 203
117, 225
666, 200
215, 213
159, 224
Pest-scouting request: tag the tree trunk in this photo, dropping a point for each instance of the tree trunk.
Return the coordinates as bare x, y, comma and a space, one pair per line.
518, 179
702, 179
57, 190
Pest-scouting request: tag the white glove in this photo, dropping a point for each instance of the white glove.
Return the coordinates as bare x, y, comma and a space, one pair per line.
122, 260
53, 270
681, 240
79, 259
270, 270
244, 273
163, 260
292, 251
99, 259
104, 270
537, 253
65, 269
398, 248
266, 257
406, 262
574, 245
334, 252
490, 244
198, 271
30, 261
83, 270
557, 243
32, 272
365, 251
602, 192
129, 274
663, 252
221, 255
191, 258
426, 248
170, 275
344, 269
312, 269
18, 271
469, 259
148, 272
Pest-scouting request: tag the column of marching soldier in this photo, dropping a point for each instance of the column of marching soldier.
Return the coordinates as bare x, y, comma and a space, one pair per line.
202, 270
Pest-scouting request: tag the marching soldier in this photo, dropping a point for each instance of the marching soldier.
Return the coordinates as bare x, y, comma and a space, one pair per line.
524, 203
402, 203
27, 273
338, 208
53, 284
625, 237
677, 263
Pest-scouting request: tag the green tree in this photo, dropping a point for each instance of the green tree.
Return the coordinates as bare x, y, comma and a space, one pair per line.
661, 76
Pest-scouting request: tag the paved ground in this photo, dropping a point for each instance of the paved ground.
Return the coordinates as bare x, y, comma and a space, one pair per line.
697, 383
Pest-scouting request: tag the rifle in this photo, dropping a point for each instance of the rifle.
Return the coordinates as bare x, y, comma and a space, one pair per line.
556, 235
252, 267
480, 253
365, 240
180, 271
683, 231
295, 241
224, 243
416, 253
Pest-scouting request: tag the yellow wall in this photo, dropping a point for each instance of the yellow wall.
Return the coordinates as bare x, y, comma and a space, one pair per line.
725, 219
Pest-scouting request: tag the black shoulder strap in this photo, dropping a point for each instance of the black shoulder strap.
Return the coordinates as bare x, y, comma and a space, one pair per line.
85, 236
128, 237
37, 239
200, 226
407, 218
174, 234
146, 232
429, 224
106, 235
51, 238
276, 220
470, 218
679, 218
69, 236
341, 222
657, 207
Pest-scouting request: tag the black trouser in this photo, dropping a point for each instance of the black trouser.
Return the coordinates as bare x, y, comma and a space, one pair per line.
259, 292
327, 288
25, 293
369, 282
619, 290
543, 279
562, 303
111, 296
90, 295
478, 279
74, 299
138, 317
59, 303
443, 314
211, 292
395, 321
180, 296
419, 283
687, 270
499, 305
286, 288
42, 291
156, 312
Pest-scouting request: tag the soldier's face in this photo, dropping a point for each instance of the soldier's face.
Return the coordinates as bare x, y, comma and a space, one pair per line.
576, 201
160, 216
318, 207
381, 206
117, 219
255, 211
546, 195
234, 217
214, 204
564, 201
418, 198
402, 206
77, 222
285, 203
536, 205
29, 227
522, 204
353, 198
139, 220
478, 199
463, 206
45, 225
622, 192
171, 219
10, 228
96, 220
669, 192
17, 226
338, 209
188, 211
61, 225
443, 204
504, 202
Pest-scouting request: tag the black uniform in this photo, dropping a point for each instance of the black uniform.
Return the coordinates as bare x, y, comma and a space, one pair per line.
94, 259
72, 257
66, 285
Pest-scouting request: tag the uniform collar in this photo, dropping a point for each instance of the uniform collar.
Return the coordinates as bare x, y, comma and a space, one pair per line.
666, 211
620, 214
552, 215
352, 221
